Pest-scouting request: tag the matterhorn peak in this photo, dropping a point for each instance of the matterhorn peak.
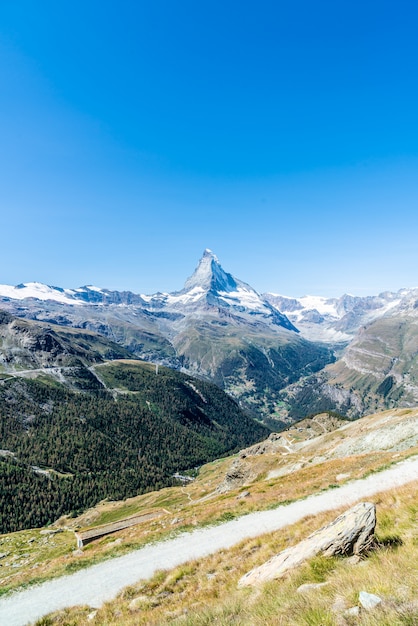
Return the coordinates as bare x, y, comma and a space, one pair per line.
210, 276
208, 253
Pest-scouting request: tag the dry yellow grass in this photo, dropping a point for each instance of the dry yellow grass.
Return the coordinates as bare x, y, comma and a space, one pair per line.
205, 592
199, 503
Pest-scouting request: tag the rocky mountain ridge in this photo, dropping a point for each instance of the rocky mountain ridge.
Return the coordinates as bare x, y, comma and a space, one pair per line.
274, 354
337, 320
330, 320
216, 327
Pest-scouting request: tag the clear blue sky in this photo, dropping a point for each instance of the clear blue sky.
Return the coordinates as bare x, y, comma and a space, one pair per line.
283, 135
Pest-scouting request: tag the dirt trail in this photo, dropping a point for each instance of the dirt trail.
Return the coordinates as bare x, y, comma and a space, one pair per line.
103, 581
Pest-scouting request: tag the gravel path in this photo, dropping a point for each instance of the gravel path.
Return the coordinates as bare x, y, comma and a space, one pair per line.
101, 582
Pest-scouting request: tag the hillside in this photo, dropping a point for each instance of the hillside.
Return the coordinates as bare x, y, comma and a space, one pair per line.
377, 370
63, 450
33, 349
289, 467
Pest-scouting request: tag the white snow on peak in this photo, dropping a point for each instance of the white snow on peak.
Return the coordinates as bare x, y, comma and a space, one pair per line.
324, 306
208, 252
92, 288
384, 309
244, 297
38, 291
193, 295
280, 295
208, 270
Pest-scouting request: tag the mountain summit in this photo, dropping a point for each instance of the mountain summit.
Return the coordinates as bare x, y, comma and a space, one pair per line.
210, 276
210, 287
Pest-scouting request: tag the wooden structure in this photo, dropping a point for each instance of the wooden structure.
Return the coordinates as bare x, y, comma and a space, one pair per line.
84, 537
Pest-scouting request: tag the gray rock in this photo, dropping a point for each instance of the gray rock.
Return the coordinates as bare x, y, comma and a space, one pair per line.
310, 587
354, 611
350, 533
239, 474
368, 600
142, 603
354, 560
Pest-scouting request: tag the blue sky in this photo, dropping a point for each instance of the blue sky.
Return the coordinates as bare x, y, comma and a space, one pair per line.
282, 135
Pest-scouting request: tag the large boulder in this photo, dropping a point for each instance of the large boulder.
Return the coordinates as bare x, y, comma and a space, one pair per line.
350, 533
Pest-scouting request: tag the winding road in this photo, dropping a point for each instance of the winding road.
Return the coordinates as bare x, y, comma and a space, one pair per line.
104, 581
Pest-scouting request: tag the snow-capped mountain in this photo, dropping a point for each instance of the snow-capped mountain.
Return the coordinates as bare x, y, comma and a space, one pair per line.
337, 320
217, 326
210, 286
38, 291
253, 346
329, 320
82, 295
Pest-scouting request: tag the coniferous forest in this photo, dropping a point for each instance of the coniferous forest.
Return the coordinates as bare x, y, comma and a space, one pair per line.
65, 450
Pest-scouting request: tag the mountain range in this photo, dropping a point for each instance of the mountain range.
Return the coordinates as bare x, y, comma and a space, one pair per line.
281, 358
83, 421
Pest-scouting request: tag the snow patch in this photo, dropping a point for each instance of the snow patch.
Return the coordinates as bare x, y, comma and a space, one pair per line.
244, 297
325, 306
39, 291
193, 295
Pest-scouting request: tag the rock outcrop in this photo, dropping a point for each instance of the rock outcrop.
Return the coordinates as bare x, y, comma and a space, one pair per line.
239, 474
350, 533
272, 445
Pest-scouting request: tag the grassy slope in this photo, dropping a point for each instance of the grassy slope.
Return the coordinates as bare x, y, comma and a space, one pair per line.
204, 592
208, 587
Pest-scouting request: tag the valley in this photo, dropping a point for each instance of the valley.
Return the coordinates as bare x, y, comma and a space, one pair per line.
77, 430
280, 358
167, 414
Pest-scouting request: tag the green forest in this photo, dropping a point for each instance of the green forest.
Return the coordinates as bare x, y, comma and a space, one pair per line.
65, 450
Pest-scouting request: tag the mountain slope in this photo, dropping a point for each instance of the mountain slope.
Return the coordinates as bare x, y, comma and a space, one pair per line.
378, 369
217, 327
29, 348
64, 450
324, 465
